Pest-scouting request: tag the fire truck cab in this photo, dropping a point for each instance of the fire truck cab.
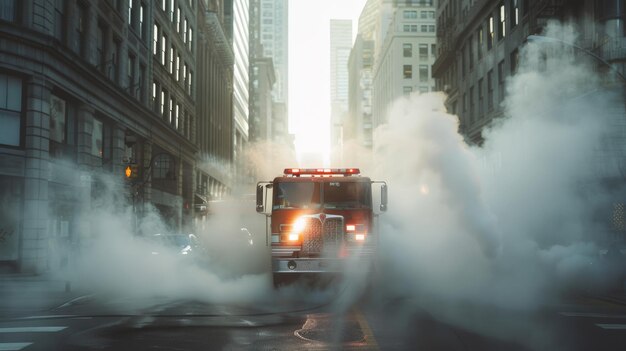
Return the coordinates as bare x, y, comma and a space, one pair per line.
319, 218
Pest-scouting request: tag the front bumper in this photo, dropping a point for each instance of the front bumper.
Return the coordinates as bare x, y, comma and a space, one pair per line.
359, 259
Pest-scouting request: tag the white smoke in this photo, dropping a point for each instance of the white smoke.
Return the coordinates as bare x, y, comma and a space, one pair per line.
518, 220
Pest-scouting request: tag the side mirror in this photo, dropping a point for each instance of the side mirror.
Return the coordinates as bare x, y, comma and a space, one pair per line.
259, 199
383, 198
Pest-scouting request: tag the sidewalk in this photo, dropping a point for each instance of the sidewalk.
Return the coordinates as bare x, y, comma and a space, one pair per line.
25, 295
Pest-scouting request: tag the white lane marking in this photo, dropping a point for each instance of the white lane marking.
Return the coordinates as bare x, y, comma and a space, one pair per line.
32, 329
73, 301
592, 315
13, 346
52, 316
611, 326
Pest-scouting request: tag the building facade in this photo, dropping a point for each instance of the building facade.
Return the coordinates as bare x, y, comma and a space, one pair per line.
479, 42
340, 45
88, 89
403, 62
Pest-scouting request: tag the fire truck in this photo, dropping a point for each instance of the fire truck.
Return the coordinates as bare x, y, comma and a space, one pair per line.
318, 219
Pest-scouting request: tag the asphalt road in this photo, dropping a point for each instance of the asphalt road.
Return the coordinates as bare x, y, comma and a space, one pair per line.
105, 322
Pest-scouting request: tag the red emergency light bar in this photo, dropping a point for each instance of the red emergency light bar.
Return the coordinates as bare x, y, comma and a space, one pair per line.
322, 171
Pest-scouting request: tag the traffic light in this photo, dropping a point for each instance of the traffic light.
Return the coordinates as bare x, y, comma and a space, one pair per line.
131, 171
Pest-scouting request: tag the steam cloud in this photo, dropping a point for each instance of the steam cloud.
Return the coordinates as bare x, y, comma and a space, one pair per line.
518, 220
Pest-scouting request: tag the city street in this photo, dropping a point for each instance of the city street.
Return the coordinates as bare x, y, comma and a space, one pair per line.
106, 322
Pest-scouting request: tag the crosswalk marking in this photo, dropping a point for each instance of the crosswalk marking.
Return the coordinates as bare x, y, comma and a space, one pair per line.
32, 329
592, 315
13, 346
611, 326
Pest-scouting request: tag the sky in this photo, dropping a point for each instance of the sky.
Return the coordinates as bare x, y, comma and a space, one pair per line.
309, 68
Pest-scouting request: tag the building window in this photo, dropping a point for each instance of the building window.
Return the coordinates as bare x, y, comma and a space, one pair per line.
164, 5
407, 71
8, 10
501, 80
423, 51
502, 23
185, 28
424, 73
155, 89
97, 138
433, 49
170, 115
130, 13
62, 128
479, 42
410, 14
490, 90
480, 98
172, 58
163, 49
131, 75
463, 61
407, 50
140, 82
163, 167
178, 20
514, 61
410, 28
471, 103
115, 60
407, 90
490, 34
431, 28
155, 40
59, 18
162, 102
172, 5
190, 39
100, 51
178, 77
177, 121
142, 24
10, 109
514, 12
81, 28
189, 86
471, 52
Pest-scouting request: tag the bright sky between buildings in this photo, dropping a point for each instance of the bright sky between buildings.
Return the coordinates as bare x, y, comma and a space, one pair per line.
309, 69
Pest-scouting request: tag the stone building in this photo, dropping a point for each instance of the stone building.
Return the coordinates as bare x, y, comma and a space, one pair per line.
87, 89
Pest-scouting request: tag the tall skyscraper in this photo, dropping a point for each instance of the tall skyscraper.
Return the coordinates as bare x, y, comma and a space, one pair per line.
240, 44
340, 46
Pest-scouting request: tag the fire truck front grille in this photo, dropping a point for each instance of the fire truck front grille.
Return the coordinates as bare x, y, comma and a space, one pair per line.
318, 236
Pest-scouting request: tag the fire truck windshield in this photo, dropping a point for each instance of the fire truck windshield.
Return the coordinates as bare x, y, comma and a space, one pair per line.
347, 195
308, 195
297, 195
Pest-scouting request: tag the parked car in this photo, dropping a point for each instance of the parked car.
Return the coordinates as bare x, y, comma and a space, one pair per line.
186, 245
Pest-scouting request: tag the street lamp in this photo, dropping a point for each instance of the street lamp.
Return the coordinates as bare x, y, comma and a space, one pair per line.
544, 39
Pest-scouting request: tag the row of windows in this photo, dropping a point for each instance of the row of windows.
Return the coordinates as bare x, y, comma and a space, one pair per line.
63, 137
182, 25
422, 89
172, 112
412, 14
416, 2
477, 94
407, 50
407, 72
172, 61
424, 28
486, 33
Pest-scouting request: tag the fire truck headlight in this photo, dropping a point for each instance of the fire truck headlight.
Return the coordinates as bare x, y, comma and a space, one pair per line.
293, 237
359, 237
350, 227
299, 225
